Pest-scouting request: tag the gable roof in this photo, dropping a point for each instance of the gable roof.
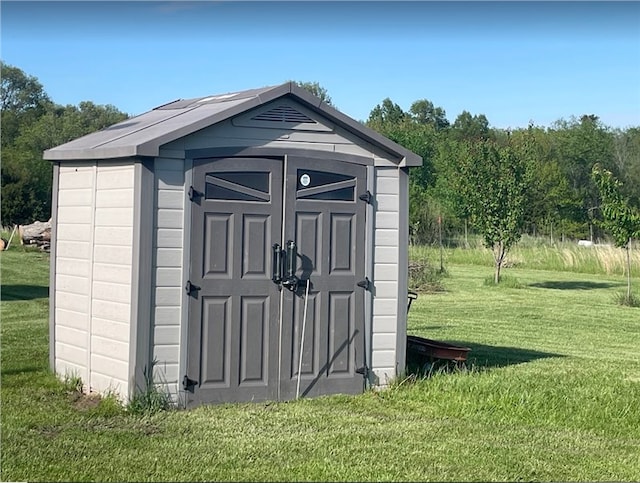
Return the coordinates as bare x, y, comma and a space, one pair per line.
144, 134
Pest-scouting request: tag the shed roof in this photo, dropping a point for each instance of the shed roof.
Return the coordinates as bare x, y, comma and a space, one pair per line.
144, 134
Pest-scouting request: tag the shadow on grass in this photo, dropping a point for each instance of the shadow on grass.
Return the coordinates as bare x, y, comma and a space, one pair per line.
23, 292
480, 357
574, 285
21, 370
488, 356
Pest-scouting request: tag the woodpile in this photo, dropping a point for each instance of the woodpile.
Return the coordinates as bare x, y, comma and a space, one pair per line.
37, 233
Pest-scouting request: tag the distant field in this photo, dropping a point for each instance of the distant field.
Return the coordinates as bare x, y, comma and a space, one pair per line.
538, 253
552, 393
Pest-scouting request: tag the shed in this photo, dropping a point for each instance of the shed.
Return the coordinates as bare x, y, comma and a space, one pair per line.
198, 241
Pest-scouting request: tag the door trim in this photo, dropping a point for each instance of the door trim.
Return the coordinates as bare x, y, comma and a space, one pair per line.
186, 273
240, 151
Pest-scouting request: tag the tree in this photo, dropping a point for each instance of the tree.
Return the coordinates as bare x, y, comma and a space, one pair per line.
626, 146
492, 181
549, 197
424, 112
468, 127
317, 90
386, 113
31, 123
22, 101
619, 218
580, 144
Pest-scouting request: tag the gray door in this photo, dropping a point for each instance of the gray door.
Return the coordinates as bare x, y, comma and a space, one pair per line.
244, 331
325, 217
234, 311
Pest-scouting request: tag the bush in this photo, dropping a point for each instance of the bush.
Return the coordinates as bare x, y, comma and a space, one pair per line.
423, 277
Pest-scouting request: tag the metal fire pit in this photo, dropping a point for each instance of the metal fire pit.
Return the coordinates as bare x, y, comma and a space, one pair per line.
425, 354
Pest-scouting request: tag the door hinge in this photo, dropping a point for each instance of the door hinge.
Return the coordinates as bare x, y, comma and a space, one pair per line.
366, 197
191, 288
364, 370
365, 284
194, 194
188, 384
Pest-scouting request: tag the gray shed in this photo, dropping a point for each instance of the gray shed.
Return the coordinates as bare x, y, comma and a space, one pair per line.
202, 238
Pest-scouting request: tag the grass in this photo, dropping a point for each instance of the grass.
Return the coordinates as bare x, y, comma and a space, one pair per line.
552, 394
535, 253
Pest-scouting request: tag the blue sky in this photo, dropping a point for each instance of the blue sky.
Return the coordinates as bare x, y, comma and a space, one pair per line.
515, 62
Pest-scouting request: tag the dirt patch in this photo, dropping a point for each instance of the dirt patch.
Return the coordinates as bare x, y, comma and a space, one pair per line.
84, 402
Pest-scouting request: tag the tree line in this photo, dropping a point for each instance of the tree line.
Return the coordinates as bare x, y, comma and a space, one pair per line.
464, 160
555, 164
31, 123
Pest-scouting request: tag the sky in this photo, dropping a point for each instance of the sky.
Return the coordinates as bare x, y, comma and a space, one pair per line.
516, 62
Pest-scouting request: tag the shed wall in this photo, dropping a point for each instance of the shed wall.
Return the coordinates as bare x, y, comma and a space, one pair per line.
74, 238
386, 258
168, 270
94, 236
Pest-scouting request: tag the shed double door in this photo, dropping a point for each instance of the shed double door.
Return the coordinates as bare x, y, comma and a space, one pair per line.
245, 330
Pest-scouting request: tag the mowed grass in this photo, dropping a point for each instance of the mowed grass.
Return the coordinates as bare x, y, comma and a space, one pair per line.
552, 393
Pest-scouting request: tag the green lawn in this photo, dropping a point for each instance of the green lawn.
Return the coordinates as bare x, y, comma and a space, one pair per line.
552, 394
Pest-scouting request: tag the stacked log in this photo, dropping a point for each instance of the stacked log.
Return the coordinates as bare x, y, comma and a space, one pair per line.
37, 233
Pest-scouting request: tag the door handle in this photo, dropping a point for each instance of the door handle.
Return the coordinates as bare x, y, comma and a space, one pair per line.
290, 280
276, 269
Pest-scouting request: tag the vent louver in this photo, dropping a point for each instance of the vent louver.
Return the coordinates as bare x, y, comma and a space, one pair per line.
283, 114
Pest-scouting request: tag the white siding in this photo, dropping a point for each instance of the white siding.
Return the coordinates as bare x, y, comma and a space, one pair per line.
167, 270
111, 294
93, 274
385, 275
76, 190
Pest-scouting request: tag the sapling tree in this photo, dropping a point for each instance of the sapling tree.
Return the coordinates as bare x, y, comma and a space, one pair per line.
619, 217
492, 182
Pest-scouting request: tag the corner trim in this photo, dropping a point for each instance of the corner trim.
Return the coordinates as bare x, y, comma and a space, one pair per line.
52, 266
141, 277
403, 269
370, 231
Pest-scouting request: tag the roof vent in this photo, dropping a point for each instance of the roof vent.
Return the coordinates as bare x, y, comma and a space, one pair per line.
283, 114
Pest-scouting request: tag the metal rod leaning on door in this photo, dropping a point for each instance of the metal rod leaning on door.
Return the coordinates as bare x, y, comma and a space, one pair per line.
304, 324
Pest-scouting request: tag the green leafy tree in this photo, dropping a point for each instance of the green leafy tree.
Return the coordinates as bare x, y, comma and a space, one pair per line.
34, 125
471, 128
317, 90
549, 197
579, 144
22, 101
419, 136
492, 181
424, 112
620, 218
385, 114
626, 152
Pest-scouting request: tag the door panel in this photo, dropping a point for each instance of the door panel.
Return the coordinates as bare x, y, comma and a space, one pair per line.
340, 329
234, 316
324, 216
215, 348
255, 258
218, 245
311, 355
254, 347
